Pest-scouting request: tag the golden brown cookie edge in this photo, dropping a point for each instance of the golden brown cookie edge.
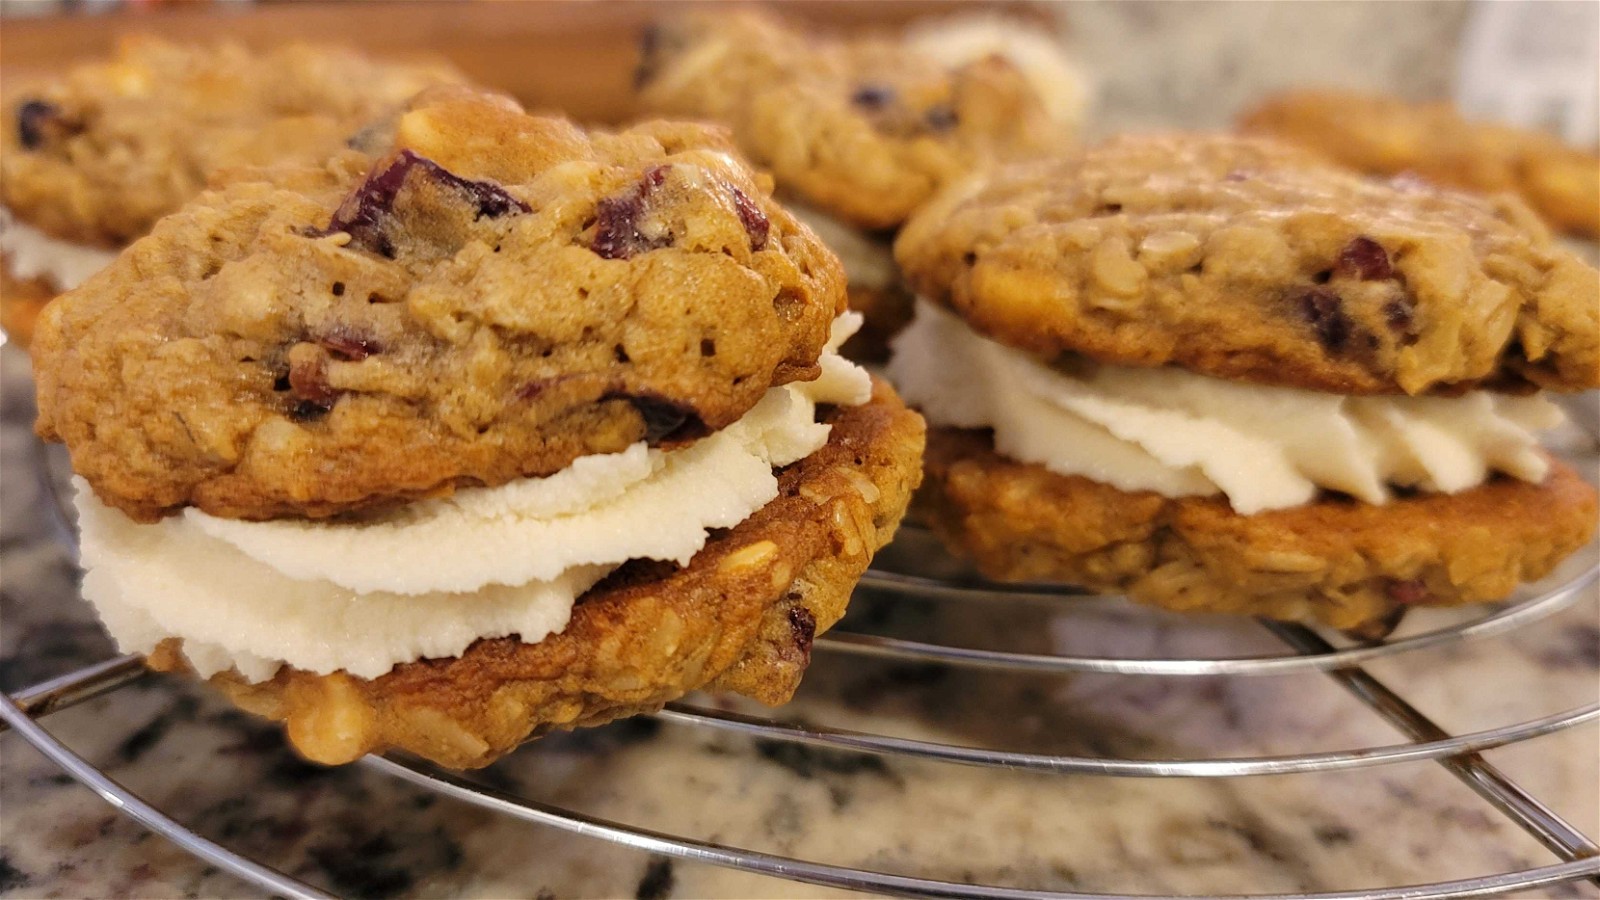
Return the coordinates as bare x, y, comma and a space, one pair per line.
1338, 561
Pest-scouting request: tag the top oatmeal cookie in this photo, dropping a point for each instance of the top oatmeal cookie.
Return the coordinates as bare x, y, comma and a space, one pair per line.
493, 296
96, 156
865, 129
1242, 258
1386, 136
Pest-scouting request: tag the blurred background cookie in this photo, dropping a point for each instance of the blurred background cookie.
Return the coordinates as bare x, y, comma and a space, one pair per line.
859, 131
91, 158
1384, 135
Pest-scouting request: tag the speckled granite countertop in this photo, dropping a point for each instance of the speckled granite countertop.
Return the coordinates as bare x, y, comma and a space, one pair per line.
357, 833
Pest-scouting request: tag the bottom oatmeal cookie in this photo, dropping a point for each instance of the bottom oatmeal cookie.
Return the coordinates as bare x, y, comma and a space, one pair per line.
740, 617
1342, 562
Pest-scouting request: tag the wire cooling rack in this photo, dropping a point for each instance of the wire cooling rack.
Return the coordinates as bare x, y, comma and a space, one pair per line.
1305, 650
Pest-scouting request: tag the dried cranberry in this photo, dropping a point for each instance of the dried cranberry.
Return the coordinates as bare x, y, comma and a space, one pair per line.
616, 233
1400, 314
754, 220
663, 419
1409, 592
308, 379
365, 212
1363, 258
940, 118
490, 198
1324, 310
37, 122
803, 625
306, 411
348, 343
873, 96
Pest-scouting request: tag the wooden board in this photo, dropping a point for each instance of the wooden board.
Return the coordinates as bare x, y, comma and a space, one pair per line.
573, 56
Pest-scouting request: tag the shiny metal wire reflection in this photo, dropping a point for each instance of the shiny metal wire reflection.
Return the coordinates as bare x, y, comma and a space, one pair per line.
1497, 623
1329, 761
93, 681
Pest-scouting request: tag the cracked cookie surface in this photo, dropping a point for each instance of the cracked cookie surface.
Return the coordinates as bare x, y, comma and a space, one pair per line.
1384, 135
863, 128
1336, 560
1246, 259
493, 296
97, 155
739, 617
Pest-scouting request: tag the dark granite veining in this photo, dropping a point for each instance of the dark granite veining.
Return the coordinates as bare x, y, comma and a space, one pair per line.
657, 881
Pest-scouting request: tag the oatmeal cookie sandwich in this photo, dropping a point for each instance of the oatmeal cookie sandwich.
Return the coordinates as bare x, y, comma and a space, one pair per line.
90, 160
508, 427
1216, 373
859, 132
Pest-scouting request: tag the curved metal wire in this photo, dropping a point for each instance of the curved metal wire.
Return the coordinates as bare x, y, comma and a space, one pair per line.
132, 805
1500, 622
1330, 761
93, 681
846, 878
426, 776
77, 687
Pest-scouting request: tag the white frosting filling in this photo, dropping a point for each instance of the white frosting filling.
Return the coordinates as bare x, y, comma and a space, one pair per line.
30, 253
1182, 434
868, 263
1040, 56
437, 575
